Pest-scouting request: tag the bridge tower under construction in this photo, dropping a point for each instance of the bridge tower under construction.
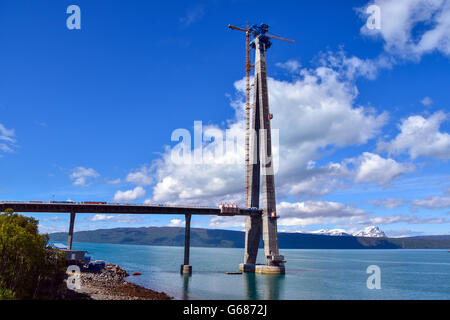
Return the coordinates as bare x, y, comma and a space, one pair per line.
259, 156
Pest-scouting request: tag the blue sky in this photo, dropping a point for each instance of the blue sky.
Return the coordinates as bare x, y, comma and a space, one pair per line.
362, 114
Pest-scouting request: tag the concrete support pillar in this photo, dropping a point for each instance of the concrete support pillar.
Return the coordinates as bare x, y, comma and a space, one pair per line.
253, 229
269, 225
70, 237
261, 156
186, 268
253, 224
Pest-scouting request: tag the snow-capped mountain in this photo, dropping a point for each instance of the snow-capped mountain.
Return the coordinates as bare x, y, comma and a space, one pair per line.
332, 232
370, 232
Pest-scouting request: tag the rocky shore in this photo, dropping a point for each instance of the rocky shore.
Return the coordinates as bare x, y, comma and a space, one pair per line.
109, 284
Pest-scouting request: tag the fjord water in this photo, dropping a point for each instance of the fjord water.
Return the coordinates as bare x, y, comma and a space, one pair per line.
310, 274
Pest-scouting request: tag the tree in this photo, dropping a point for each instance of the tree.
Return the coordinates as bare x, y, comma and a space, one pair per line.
28, 268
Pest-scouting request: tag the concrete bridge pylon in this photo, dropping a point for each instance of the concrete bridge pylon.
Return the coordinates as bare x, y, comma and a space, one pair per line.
264, 225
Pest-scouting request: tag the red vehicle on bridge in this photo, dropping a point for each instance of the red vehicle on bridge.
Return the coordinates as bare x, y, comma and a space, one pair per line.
94, 202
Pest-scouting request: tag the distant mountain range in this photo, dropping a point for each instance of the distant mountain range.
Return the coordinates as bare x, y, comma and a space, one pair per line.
174, 236
369, 232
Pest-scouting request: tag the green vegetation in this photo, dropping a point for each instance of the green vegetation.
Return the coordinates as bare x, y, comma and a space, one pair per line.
28, 269
174, 236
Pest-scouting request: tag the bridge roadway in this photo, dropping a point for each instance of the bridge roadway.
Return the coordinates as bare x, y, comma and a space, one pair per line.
115, 208
74, 208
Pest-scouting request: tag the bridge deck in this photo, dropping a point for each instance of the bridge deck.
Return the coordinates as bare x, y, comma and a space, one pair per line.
74, 208
116, 209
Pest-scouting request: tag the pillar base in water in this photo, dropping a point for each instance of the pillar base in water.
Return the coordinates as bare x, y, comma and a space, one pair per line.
262, 268
186, 269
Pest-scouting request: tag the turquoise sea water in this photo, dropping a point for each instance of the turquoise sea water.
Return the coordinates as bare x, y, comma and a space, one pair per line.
310, 274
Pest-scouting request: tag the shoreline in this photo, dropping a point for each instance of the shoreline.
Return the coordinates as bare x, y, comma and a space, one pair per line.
109, 284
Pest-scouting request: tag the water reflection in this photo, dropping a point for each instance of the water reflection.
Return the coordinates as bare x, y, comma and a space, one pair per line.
273, 286
186, 280
251, 290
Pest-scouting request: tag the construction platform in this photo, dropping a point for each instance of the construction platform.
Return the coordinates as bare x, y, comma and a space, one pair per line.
261, 268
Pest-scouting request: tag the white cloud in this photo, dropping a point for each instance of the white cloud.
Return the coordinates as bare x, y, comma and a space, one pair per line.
55, 218
227, 222
384, 220
114, 181
432, 203
317, 111
129, 195
295, 216
402, 233
317, 208
290, 65
101, 217
412, 28
193, 15
6, 134
359, 220
300, 214
140, 177
312, 113
316, 186
7, 139
320, 181
421, 136
51, 229
5, 148
176, 223
353, 67
373, 168
119, 218
388, 203
80, 175
426, 101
